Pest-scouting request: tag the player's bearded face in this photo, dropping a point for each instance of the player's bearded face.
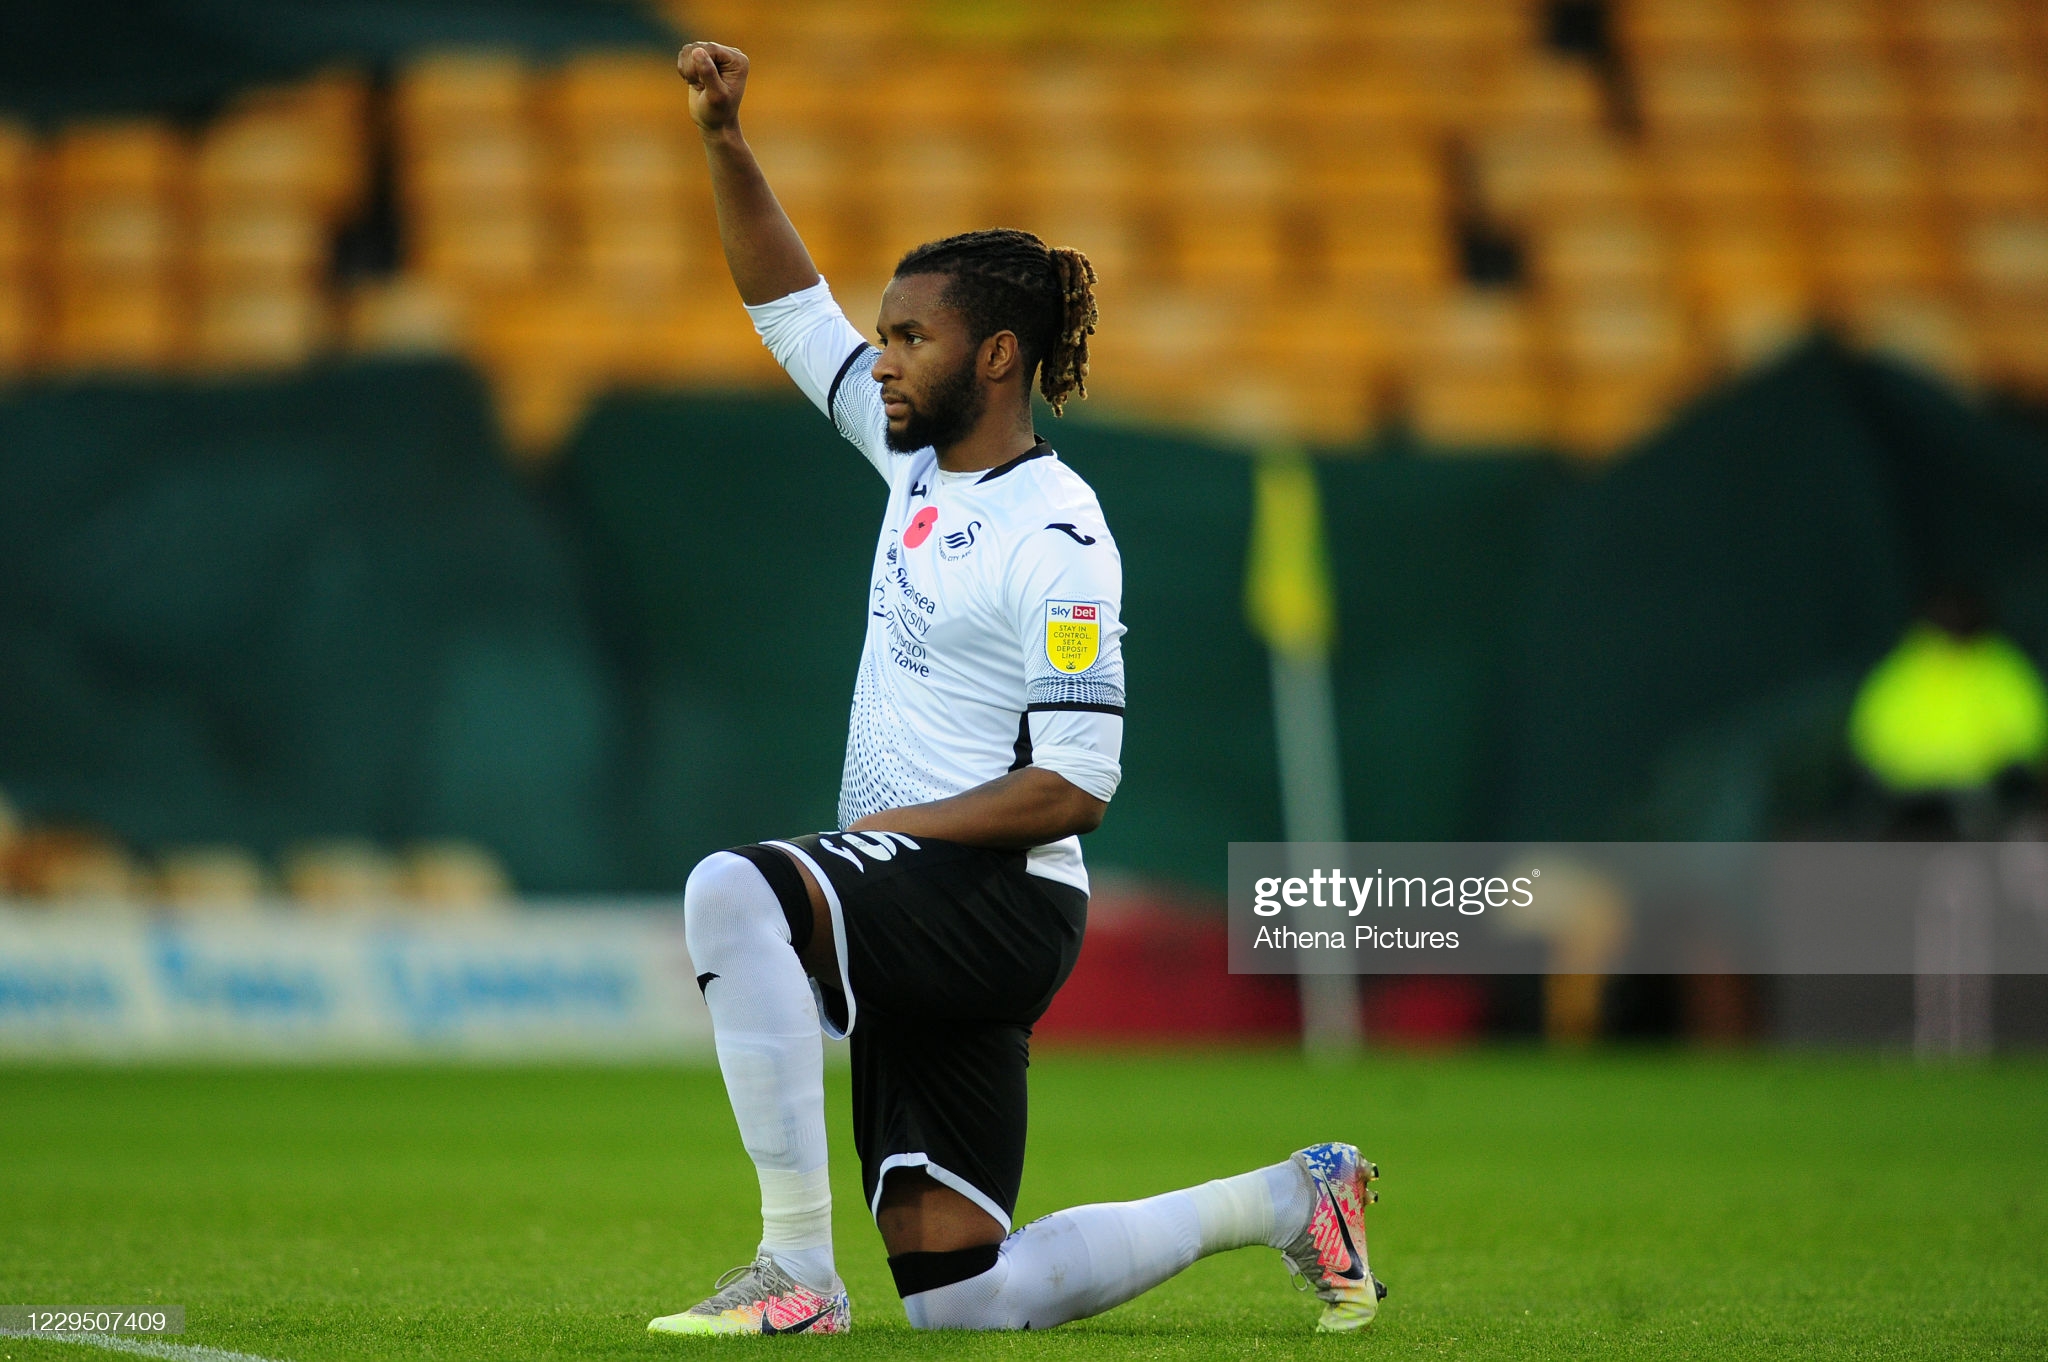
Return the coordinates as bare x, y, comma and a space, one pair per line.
944, 412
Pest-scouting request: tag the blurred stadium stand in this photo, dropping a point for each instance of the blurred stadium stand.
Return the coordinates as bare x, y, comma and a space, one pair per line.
1500, 222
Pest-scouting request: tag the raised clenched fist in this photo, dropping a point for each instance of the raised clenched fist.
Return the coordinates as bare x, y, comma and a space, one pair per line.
717, 76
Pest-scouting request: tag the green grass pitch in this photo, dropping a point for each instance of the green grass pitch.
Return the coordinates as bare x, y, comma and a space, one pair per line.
1611, 1205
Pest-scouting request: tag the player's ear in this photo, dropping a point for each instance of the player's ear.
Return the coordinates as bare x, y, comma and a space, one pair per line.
999, 355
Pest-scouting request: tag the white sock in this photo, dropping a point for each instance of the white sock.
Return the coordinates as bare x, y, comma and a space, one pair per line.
1268, 1206
1080, 1262
771, 1054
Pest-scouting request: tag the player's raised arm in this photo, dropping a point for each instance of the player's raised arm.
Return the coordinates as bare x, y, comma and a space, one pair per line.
762, 248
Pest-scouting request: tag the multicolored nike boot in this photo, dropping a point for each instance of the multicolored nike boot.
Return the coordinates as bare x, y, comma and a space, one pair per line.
1329, 1253
760, 1298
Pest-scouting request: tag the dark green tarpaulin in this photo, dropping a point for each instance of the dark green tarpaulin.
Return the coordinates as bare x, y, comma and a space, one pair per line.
319, 606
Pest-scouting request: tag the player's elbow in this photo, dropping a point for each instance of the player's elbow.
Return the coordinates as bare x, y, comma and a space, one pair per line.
1083, 811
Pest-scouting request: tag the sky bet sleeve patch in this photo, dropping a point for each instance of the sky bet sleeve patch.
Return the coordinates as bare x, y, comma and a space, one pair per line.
1073, 635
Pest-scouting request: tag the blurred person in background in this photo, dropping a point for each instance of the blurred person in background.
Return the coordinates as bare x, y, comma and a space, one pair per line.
985, 737
1952, 724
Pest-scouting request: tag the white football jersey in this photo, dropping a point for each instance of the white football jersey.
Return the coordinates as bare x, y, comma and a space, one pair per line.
994, 605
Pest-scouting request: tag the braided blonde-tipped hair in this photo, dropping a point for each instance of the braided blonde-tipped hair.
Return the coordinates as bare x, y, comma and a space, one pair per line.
1007, 280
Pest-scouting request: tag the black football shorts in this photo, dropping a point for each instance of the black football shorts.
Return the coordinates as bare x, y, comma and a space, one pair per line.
948, 954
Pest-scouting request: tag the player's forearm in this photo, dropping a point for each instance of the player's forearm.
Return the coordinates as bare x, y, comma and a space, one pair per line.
766, 256
1027, 808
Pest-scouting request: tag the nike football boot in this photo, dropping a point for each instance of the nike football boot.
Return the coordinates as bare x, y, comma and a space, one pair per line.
760, 1298
1329, 1253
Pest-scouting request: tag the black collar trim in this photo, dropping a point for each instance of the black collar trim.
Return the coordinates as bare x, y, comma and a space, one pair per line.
1037, 451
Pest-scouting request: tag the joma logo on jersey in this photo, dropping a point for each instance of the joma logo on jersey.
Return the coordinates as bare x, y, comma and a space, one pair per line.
1073, 635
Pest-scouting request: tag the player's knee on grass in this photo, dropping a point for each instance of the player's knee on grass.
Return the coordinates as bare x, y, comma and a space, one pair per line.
730, 910
963, 1289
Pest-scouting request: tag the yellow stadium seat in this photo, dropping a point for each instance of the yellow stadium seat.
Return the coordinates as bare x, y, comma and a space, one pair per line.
1687, 94
455, 89
697, 337
1065, 102
1746, 254
19, 168
930, 186
629, 166
1294, 29
1600, 254
1463, 408
267, 158
1868, 176
18, 326
1525, 177
1095, 170
1805, 30
1475, 379
340, 874
1357, 103
2007, 259
1211, 162
1655, 27
488, 251
210, 877
117, 242
1378, 170
648, 253
1854, 259
1746, 280
1621, 333
1156, 349
1998, 98
547, 352
599, 89
112, 238
1745, 327
1340, 338
1962, 29
471, 168
131, 328
329, 109
1231, 248
258, 327
1712, 180
1369, 253
809, 99
140, 158
1544, 94
1845, 97
810, 170
20, 241
406, 315
2012, 343
1924, 330
1981, 180
1263, 403
1597, 415
281, 243
1096, 229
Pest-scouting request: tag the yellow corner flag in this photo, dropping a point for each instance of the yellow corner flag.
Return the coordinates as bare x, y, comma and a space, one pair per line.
1287, 594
